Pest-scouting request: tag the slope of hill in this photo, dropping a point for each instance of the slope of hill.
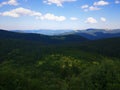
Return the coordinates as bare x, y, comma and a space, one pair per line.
44, 32
41, 38
26, 64
92, 34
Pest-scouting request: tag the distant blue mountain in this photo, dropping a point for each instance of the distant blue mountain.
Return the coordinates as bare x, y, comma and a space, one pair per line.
43, 39
44, 32
92, 34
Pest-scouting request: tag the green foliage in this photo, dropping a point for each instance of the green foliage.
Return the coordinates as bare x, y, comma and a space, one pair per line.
28, 65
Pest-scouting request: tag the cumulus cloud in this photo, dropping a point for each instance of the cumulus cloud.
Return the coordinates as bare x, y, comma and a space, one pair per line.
9, 2
27, 12
101, 3
21, 11
73, 18
84, 6
117, 1
57, 2
103, 19
90, 8
91, 20
50, 16
93, 8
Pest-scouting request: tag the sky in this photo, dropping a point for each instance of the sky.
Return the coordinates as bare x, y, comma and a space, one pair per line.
59, 14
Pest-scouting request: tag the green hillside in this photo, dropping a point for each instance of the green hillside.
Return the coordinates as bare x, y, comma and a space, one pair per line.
43, 39
30, 65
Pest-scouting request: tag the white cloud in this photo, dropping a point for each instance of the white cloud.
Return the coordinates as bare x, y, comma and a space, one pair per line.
50, 16
84, 6
93, 8
21, 12
117, 1
73, 18
57, 2
90, 8
101, 3
9, 2
103, 19
7, 13
12, 2
91, 20
27, 12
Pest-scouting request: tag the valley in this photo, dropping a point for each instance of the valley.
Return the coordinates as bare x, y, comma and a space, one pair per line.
68, 62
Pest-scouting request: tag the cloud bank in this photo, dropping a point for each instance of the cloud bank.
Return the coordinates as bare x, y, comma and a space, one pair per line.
95, 6
57, 2
9, 2
91, 20
18, 12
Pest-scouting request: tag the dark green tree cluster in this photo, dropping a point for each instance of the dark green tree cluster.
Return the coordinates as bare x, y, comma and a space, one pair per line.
27, 65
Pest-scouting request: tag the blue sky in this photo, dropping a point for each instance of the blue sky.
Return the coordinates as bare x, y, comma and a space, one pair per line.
59, 14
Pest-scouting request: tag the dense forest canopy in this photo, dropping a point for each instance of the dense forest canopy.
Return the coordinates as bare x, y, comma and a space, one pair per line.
34, 65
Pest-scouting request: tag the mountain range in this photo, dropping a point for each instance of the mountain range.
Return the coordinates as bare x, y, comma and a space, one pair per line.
91, 34
44, 39
66, 61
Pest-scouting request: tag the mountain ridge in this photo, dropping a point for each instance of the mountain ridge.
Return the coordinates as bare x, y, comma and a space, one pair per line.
41, 38
92, 34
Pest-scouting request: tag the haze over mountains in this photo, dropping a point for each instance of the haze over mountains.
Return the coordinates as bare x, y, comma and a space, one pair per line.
59, 36
66, 61
44, 39
91, 34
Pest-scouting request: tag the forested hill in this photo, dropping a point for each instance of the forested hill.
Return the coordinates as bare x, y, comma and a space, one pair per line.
107, 47
26, 64
41, 38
